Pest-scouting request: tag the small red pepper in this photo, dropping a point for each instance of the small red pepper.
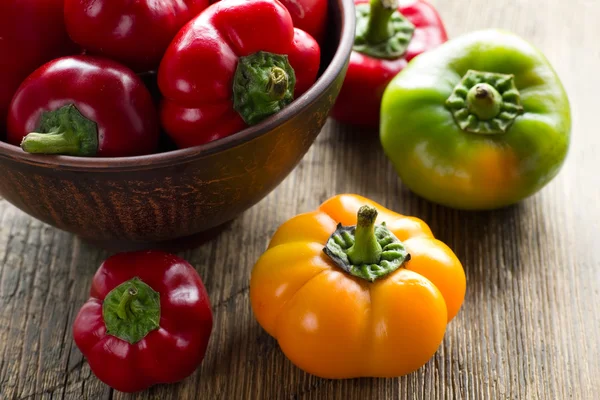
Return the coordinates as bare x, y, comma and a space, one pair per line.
32, 32
309, 15
135, 33
148, 321
83, 106
388, 36
232, 66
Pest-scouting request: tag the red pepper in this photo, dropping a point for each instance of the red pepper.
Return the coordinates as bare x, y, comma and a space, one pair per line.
388, 36
148, 321
32, 32
135, 33
83, 106
308, 15
232, 66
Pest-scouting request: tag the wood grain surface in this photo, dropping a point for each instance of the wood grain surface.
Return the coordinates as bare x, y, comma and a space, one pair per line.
530, 324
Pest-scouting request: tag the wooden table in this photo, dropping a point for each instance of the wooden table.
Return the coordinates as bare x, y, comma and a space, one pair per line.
529, 327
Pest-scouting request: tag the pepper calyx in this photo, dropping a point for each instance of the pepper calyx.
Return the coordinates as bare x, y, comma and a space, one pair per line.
485, 103
367, 251
381, 30
263, 85
131, 311
63, 131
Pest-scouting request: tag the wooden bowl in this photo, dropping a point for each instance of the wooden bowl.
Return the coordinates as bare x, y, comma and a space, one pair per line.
142, 201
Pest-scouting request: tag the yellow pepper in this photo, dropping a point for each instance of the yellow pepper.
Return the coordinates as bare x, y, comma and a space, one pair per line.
356, 290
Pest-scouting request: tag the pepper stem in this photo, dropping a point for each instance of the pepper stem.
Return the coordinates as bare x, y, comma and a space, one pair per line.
124, 310
56, 141
63, 131
484, 101
381, 30
366, 249
262, 86
131, 310
378, 27
278, 83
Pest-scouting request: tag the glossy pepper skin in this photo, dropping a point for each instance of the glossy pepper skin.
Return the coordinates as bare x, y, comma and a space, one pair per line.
32, 32
481, 122
232, 66
360, 98
308, 15
134, 32
148, 321
334, 324
83, 106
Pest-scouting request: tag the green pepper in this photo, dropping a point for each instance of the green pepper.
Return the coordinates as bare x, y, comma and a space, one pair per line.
480, 122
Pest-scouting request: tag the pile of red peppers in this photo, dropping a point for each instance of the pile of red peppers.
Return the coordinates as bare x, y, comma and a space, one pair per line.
108, 78
84, 85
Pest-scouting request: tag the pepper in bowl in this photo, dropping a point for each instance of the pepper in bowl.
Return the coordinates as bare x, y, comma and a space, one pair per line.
231, 67
32, 32
83, 106
135, 33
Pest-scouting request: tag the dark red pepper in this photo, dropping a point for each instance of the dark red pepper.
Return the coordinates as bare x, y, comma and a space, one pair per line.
232, 66
388, 36
135, 33
32, 32
148, 321
308, 15
83, 106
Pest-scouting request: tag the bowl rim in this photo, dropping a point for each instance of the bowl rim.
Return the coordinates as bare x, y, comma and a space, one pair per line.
174, 157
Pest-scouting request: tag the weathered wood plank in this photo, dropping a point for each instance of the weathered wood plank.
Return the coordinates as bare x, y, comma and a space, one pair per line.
529, 329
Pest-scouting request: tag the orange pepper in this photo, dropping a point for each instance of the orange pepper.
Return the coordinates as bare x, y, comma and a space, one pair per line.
377, 307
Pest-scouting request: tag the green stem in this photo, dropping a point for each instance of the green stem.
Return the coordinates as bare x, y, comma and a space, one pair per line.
366, 249
484, 101
131, 310
63, 131
53, 142
124, 310
378, 27
262, 86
